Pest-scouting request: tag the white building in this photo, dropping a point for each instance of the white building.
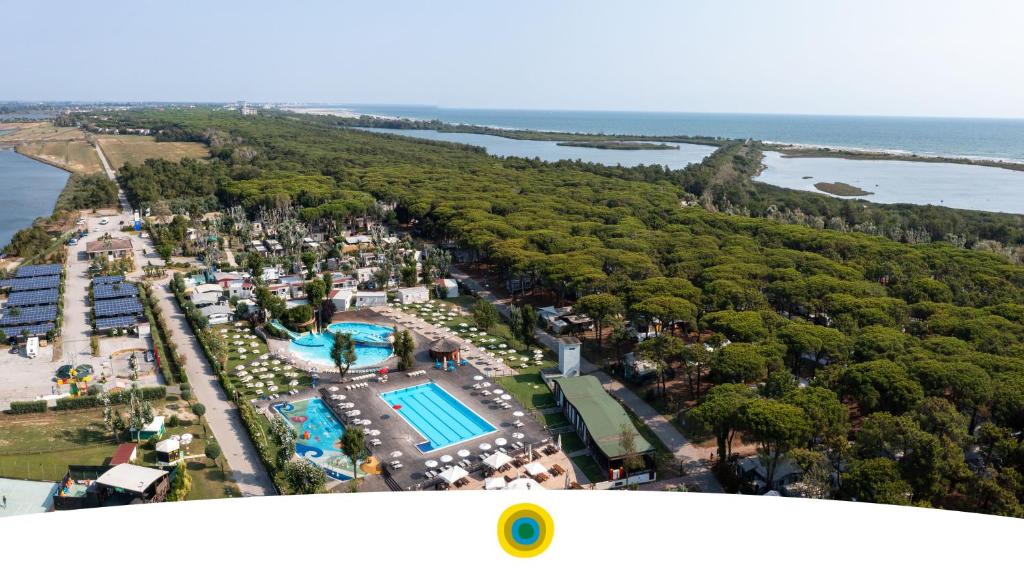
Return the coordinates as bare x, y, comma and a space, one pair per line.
446, 288
413, 295
342, 299
217, 314
370, 299
365, 274
568, 356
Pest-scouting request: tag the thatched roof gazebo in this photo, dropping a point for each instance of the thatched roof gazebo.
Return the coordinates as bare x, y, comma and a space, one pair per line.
445, 349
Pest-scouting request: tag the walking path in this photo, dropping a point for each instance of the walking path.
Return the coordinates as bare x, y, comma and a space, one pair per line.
221, 415
694, 459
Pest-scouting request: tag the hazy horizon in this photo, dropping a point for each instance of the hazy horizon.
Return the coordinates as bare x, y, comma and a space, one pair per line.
873, 58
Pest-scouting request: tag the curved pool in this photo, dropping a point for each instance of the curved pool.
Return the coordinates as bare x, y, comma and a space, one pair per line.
373, 344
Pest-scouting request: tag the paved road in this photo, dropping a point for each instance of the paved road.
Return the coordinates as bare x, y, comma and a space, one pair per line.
221, 415
694, 458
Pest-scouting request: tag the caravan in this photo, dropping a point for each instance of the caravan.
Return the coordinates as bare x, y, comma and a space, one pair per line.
32, 347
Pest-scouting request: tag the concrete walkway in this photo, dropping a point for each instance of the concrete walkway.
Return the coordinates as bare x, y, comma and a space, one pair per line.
221, 415
694, 459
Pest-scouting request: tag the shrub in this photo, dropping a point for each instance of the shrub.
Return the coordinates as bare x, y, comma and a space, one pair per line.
29, 407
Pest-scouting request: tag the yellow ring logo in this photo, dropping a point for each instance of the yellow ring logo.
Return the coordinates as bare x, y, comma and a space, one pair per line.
525, 530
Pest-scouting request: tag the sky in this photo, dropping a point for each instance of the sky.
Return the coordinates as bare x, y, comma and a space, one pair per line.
864, 57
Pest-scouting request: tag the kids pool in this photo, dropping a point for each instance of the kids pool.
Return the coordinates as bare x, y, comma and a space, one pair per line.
312, 417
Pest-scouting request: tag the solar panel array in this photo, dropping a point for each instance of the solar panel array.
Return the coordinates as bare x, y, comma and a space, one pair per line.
116, 290
32, 283
33, 298
38, 270
28, 315
107, 280
118, 307
33, 330
116, 322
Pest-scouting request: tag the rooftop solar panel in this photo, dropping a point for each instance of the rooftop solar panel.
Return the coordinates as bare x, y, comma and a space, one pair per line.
28, 315
33, 330
115, 290
118, 307
37, 270
33, 283
107, 279
116, 322
33, 298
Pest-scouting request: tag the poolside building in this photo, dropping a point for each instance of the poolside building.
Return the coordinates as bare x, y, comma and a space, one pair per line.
371, 299
445, 350
413, 295
599, 421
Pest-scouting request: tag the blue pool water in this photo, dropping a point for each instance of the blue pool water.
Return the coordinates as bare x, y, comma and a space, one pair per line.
372, 344
436, 415
324, 430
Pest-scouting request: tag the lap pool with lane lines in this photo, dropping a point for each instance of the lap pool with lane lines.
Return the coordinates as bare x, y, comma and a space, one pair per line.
437, 415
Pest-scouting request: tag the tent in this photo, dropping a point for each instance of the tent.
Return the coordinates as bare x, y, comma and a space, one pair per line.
453, 474
497, 460
494, 483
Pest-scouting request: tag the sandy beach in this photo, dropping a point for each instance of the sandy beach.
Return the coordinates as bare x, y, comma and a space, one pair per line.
323, 111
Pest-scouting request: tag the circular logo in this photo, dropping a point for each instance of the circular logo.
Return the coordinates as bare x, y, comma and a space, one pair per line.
525, 530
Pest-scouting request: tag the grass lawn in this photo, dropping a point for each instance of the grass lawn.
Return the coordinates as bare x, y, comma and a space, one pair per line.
73, 155
42, 446
529, 389
137, 149
571, 443
590, 468
254, 349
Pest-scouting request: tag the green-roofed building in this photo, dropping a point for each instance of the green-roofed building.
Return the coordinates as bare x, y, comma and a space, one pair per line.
599, 421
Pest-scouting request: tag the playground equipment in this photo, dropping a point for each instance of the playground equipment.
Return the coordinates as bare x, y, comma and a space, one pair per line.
77, 377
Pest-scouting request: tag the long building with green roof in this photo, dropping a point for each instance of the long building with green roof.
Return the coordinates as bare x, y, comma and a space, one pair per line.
599, 420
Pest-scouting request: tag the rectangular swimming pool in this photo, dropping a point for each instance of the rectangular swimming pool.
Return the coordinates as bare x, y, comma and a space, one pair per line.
440, 418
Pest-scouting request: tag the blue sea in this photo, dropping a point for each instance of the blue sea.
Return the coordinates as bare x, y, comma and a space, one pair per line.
968, 137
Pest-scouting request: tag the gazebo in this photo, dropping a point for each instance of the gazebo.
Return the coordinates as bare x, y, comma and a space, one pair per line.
445, 349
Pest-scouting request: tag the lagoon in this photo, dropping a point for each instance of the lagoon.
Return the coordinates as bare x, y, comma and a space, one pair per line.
897, 181
550, 150
28, 190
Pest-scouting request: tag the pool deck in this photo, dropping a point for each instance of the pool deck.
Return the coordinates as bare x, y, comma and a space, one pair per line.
397, 434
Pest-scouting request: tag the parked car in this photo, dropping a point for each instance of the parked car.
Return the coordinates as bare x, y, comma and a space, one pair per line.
73, 242
149, 355
104, 222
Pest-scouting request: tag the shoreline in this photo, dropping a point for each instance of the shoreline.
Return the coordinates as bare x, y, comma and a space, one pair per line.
787, 149
811, 151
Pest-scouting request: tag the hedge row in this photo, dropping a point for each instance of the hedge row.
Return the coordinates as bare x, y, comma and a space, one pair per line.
93, 401
171, 370
29, 407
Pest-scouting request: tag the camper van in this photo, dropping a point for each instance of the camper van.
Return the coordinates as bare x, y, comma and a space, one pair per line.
32, 347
